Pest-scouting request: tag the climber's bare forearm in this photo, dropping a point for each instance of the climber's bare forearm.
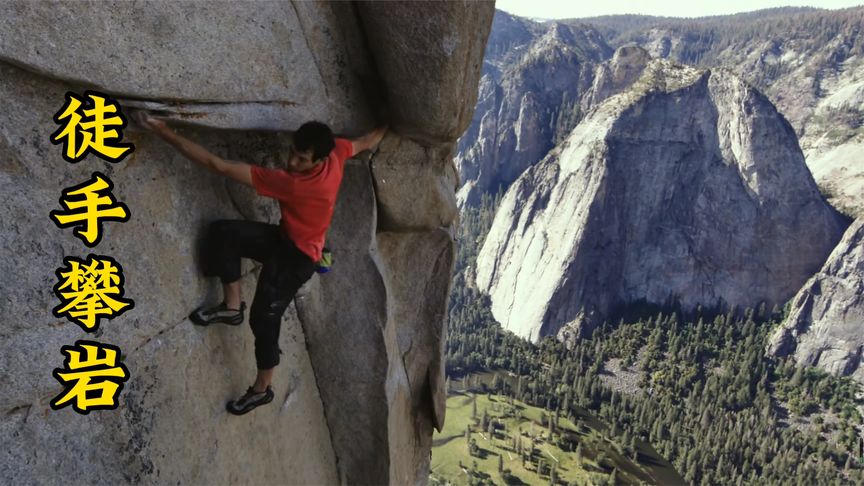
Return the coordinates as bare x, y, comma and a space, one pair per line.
189, 149
369, 141
239, 171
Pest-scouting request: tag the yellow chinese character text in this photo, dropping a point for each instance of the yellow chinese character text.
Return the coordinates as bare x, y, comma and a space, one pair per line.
90, 289
91, 382
83, 128
87, 205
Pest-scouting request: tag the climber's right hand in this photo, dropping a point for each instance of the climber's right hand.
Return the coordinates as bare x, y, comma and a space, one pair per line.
369, 141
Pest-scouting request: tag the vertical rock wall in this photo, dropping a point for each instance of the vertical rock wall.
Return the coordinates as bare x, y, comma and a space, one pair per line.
687, 190
429, 79
360, 386
825, 326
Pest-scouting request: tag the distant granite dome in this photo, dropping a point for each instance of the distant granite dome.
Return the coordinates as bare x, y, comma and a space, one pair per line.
825, 327
687, 188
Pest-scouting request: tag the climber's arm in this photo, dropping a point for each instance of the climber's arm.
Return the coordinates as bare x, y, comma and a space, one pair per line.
368, 141
239, 171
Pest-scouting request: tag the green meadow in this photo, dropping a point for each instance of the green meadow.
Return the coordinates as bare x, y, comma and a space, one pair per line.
554, 450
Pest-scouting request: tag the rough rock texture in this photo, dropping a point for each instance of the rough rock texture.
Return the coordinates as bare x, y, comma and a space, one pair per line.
687, 189
417, 278
825, 326
617, 75
274, 62
432, 69
415, 184
840, 173
171, 424
832, 127
360, 386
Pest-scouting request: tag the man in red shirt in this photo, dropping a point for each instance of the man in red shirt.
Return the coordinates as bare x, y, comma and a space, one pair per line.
306, 189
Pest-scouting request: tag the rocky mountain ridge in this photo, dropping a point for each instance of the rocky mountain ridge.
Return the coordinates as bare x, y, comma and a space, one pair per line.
686, 188
807, 61
529, 96
825, 326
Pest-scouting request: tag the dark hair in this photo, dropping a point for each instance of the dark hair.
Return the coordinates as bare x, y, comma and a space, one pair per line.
315, 136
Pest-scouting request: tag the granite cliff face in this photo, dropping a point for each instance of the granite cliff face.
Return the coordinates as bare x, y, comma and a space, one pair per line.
534, 78
808, 62
825, 326
688, 188
360, 386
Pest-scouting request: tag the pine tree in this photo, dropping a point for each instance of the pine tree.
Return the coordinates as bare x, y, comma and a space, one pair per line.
798, 377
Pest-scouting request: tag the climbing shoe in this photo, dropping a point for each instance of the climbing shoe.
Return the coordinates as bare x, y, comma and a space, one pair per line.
249, 400
220, 313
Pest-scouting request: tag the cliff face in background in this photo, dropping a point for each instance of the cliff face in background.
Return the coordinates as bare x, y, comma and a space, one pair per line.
809, 62
534, 78
825, 326
360, 386
687, 188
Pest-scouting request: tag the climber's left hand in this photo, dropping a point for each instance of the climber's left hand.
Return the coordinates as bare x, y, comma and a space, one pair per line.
148, 122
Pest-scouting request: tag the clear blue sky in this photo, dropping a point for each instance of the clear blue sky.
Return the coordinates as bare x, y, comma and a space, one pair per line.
562, 9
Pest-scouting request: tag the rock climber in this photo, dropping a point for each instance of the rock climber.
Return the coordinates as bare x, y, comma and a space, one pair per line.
305, 185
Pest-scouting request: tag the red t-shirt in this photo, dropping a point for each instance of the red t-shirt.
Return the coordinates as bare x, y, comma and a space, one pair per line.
306, 200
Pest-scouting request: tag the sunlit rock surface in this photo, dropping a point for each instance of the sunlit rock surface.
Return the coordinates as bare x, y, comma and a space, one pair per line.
825, 326
687, 189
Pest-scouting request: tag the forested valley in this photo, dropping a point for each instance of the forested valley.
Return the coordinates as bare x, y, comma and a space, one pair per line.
703, 392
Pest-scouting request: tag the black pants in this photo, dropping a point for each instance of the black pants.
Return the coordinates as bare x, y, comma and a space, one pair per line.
285, 270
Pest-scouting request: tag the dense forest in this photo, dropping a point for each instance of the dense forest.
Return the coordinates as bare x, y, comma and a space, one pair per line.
705, 37
707, 397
